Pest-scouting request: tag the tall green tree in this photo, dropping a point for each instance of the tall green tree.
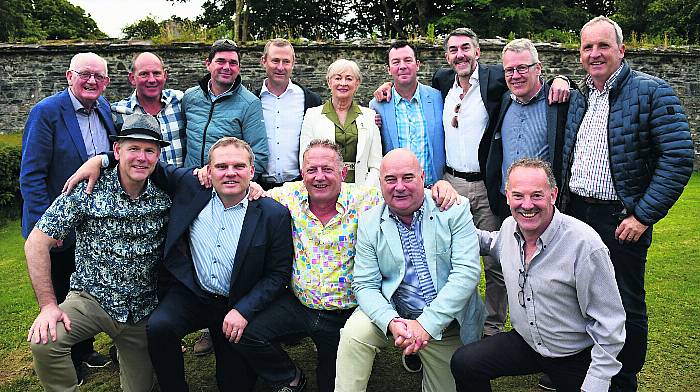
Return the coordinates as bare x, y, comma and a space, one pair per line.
45, 19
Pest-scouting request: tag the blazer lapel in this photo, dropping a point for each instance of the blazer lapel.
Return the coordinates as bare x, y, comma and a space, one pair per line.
250, 222
390, 124
70, 120
390, 232
484, 86
362, 136
428, 232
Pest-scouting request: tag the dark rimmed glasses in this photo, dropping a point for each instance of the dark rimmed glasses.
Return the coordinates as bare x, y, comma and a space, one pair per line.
521, 69
86, 75
522, 278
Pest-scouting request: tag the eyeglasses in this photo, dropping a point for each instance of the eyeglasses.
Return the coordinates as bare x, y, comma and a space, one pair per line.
522, 277
522, 69
85, 75
224, 42
455, 119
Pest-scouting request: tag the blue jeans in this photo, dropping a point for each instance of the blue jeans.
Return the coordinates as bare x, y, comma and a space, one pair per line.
285, 319
629, 261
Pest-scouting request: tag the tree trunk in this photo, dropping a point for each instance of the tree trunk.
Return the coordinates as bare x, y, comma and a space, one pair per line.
237, 20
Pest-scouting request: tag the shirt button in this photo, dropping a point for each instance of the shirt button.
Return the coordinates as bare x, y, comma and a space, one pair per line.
539, 343
223, 228
528, 299
531, 323
218, 246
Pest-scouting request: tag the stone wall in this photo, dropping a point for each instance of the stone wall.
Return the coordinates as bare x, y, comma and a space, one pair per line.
29, 73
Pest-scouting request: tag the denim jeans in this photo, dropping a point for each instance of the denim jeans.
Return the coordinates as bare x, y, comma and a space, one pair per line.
629, 261
285, 319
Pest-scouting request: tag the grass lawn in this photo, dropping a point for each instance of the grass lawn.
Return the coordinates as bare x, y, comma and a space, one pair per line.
673, 297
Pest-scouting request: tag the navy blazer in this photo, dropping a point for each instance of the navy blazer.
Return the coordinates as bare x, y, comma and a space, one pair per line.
432, 113
52, 150
492, 85
263, 262
556, 122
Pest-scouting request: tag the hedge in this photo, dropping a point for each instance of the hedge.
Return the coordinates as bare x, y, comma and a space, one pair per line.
10, 198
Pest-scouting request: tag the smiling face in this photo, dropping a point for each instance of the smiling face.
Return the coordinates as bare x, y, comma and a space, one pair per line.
402, 181
531, 200
343, 84
87, 91
148, 76
224, 68
600, 53
322, 174
137, 160
524, 87
278, 64
403, 66
462, 55
230, 171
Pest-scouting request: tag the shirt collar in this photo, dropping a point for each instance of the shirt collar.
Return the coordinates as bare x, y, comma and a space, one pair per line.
211, 93
291, 87
417, 215
112, 175
416, 96
549, 233
608, 84
78, 106
473, 79
537, 97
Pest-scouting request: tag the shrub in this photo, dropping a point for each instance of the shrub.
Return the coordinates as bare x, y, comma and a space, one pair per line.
10, 198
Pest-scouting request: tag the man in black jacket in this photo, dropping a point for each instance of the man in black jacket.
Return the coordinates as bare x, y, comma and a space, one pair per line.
284, 105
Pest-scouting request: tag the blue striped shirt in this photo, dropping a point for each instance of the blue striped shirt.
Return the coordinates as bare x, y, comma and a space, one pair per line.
524, 133
411, 128
214, 238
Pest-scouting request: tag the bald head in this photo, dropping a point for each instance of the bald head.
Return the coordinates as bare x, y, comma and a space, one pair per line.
148, 76
402, 181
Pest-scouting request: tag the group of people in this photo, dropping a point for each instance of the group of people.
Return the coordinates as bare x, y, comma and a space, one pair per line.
272, 216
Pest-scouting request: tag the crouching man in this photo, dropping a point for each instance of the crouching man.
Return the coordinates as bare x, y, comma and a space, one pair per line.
120, 229
566, 311
416, 272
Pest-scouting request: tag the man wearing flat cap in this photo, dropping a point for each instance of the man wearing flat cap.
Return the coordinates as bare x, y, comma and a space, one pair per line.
120, 228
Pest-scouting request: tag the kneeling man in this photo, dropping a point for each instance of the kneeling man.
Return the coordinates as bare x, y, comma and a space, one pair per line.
566, 311
119, 229
416, 272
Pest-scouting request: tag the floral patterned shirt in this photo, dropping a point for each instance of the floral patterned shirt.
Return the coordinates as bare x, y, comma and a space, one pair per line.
324, 256
118, 245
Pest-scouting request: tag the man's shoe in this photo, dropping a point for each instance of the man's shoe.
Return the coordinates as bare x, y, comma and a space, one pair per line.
80, 372
546, 383
411, 363
203, 346
301, 385
96, 360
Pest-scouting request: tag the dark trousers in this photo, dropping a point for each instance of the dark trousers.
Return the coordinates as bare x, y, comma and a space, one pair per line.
179, 313
62, 266
286, 319
507, 354
629, 261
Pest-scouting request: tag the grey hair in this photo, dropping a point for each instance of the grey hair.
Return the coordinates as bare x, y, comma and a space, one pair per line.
533, 163
325, 143
84, 56
521, 45
341, 65
600, 19
462, 32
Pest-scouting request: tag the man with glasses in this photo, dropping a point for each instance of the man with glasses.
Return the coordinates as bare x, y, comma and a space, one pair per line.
566, 311
148, 76
221, 106
527, 126
62, 132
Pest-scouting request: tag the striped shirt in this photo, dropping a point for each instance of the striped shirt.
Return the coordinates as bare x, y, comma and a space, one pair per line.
411, 128
214, 236
590, 170
171, 119
91, 128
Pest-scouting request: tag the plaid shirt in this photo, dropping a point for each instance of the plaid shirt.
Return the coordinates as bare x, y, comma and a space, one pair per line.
411, 129
590, 170
171, 119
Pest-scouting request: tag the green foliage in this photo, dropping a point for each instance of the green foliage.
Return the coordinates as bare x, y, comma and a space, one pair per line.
10, 156
34, 20
675, 21
146, 28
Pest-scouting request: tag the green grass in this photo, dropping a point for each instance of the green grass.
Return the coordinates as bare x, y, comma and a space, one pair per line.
13, 139
673, 297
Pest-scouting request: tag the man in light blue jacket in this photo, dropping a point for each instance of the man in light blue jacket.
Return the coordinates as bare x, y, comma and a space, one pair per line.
412, 118
415, 278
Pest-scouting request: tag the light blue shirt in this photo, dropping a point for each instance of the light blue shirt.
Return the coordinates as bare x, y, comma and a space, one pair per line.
214, 236
411, 129
283, 115
93, 131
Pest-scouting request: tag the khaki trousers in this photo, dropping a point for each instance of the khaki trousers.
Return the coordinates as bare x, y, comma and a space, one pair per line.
361, 340
52, 361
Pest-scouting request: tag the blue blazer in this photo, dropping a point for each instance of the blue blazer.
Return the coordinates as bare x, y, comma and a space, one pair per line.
52, 150
263, 262
432, 103
452, 254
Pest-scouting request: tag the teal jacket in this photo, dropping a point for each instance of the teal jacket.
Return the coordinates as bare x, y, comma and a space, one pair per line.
235, 113
452, 250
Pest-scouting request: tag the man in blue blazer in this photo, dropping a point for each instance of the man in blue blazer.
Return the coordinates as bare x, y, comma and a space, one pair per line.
416, 275
412, 118
226, 257
62, 132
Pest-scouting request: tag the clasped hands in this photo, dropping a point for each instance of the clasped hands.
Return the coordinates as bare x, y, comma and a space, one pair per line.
409, 335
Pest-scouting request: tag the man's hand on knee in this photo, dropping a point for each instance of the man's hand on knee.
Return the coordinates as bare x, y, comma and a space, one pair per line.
234, 324
44, 326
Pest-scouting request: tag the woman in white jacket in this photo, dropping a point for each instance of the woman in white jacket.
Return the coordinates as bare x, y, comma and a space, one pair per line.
342, 120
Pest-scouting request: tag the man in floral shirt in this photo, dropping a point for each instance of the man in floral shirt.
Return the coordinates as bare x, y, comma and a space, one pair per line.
120, 229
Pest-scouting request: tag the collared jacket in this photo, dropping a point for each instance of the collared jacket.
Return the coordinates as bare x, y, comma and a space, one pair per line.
452, 255
556, 121
311, 99
432, 104
649, 143
235, 113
